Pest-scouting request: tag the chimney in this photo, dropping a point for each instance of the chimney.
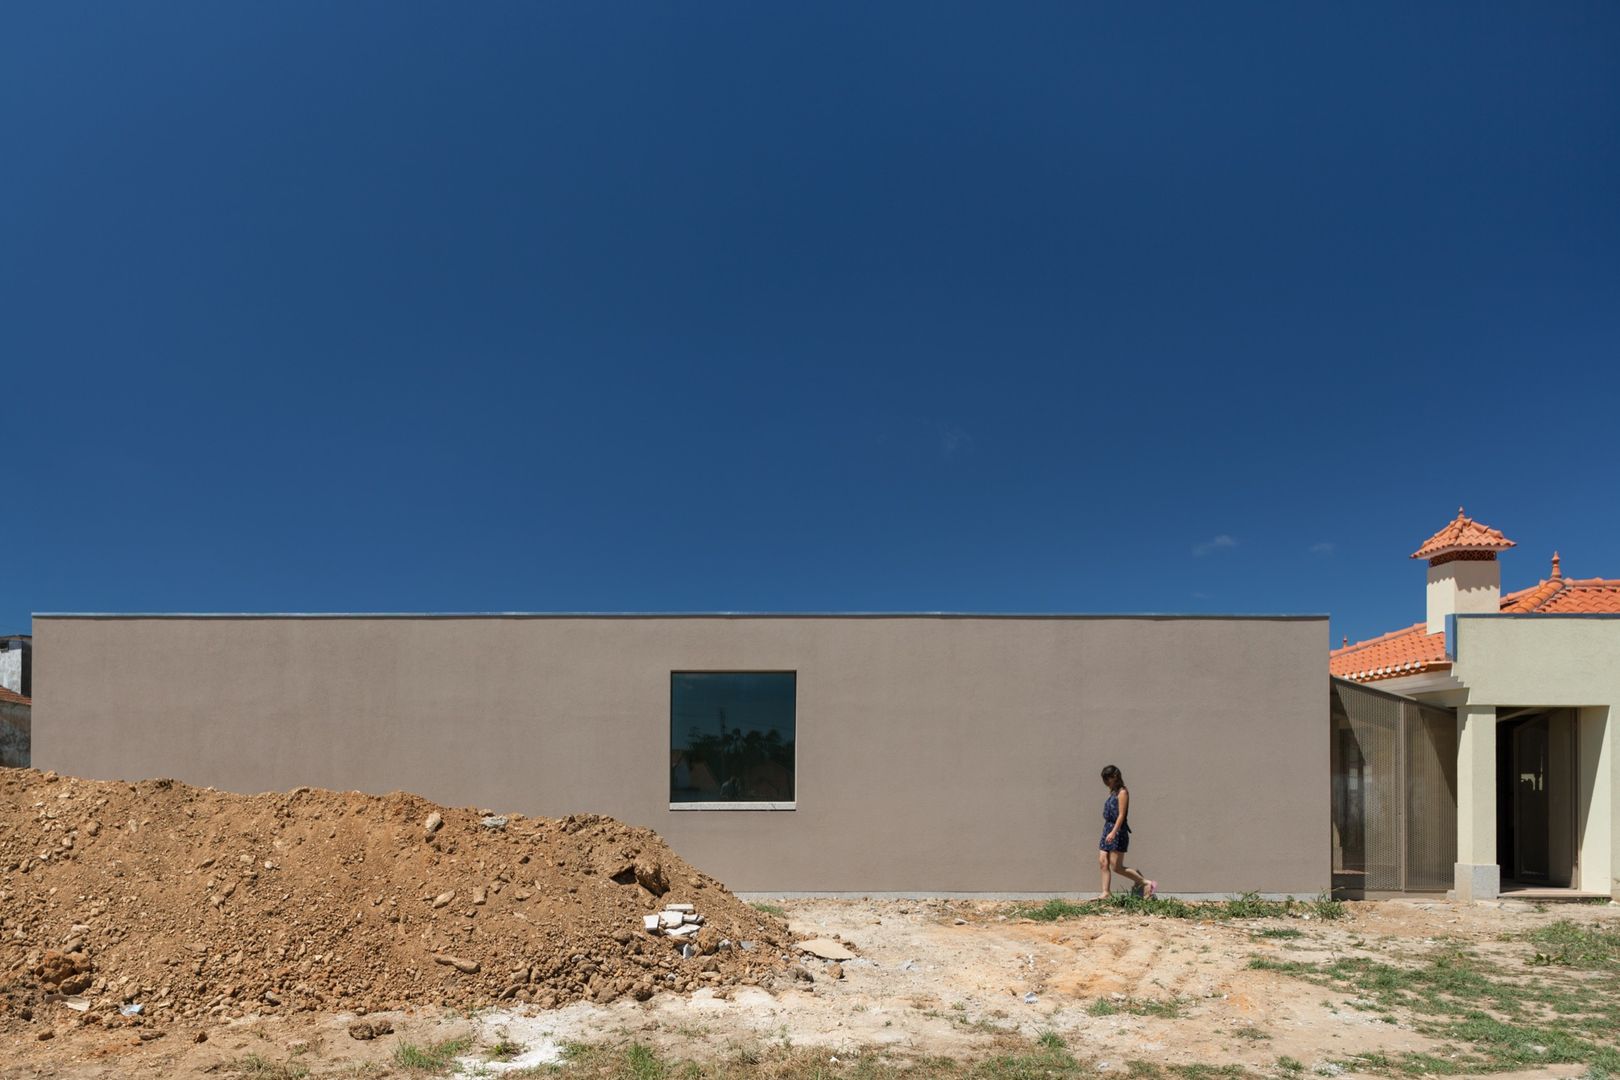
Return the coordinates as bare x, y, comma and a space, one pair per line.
1464, 576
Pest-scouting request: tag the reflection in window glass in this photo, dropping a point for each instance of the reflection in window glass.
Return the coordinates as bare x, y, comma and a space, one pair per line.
731, 736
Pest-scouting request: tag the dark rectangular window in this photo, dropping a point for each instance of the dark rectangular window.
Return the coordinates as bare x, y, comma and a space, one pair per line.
731, 736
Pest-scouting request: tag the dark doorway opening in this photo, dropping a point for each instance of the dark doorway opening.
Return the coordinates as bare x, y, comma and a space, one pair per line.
1535, 799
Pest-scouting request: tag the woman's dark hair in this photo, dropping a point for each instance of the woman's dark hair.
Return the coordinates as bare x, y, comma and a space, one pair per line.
1111, 773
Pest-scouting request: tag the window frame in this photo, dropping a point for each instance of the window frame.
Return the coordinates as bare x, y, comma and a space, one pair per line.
756, 805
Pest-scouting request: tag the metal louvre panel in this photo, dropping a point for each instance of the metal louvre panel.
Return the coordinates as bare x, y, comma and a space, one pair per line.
1431, 798
1367, 795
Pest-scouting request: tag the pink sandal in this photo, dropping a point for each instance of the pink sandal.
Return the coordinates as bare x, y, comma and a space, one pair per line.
1152, 887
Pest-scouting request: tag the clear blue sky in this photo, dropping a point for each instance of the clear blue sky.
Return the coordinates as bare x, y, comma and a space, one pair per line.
1031, 307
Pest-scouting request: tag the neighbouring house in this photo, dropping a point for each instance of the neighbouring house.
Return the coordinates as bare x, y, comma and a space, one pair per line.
1479, 749
16, 663
16, 681
929, 754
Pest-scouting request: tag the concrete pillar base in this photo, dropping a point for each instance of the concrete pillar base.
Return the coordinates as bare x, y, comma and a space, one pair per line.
1478, 881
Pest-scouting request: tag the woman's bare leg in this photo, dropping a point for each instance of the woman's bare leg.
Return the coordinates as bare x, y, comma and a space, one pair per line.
1107, 876
1117, 864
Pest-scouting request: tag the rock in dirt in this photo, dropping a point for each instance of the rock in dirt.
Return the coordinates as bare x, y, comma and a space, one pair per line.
469, 967
650, 876
434, 822
826, 949
366, 1030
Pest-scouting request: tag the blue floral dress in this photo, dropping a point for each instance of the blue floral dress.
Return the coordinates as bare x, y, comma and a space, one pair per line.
1122, 842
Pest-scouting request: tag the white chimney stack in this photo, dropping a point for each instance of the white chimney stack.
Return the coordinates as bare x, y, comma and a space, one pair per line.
1464, 576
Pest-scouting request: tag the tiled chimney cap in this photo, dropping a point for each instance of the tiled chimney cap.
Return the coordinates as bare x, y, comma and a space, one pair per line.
1463, 534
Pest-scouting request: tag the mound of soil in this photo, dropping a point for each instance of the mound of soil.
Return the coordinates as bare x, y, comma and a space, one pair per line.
196, 904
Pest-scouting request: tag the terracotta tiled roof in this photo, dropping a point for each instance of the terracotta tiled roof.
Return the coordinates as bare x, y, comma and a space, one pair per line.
1583, 596
1532, 599
13, 697
1463, 533
1409, 651
1397, 653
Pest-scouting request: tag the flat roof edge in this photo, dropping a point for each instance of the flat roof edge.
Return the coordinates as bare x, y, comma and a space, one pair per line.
1290, 616
1538, 615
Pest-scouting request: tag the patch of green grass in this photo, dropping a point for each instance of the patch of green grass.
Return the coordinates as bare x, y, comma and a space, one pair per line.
1505, 1020
1278, 932
1572, 945
1167, 1009
1245, 906
1249, 1031
1053, 910
433, 1058
254, 1067
1148, 1070
1291, 1066
1011, 1058
643, 1063
769, 909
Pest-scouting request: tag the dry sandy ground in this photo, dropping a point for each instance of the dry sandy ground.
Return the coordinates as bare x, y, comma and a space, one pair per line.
931, 978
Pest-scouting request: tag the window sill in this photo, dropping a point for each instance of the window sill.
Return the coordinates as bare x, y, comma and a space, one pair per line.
734, 806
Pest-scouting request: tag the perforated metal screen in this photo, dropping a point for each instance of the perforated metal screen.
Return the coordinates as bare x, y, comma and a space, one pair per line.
1394, 765
1431, 797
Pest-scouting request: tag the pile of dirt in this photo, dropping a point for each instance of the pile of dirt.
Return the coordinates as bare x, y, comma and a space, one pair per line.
195, 904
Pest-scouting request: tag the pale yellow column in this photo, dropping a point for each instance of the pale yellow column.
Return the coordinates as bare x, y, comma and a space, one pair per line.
1599, 810
1610, 766
1477, 875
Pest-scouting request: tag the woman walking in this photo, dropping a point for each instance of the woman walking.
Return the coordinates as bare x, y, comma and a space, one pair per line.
1116, 837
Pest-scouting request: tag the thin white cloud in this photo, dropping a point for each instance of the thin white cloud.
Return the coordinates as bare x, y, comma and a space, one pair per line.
953, 440
1214, 543
1325, 547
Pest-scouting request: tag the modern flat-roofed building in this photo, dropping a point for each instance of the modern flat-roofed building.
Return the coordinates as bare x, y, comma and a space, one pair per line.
916, 754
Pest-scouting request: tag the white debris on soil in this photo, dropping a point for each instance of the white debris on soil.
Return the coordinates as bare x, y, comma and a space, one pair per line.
676, 921
542, 1051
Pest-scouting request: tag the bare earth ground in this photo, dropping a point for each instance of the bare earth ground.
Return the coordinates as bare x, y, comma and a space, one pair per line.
1119, 993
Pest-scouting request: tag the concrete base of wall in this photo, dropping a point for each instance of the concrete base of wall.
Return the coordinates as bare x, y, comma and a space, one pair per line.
752, 896
1478, 881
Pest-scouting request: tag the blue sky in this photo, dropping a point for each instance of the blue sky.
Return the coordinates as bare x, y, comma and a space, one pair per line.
1032, 307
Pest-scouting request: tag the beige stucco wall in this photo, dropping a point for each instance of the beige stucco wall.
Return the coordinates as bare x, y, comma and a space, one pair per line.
935, 754
1549, 660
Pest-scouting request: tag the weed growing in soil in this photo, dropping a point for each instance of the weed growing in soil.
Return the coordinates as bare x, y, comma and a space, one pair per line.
435, 1058
504, 1049
769, 909
254, 1067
